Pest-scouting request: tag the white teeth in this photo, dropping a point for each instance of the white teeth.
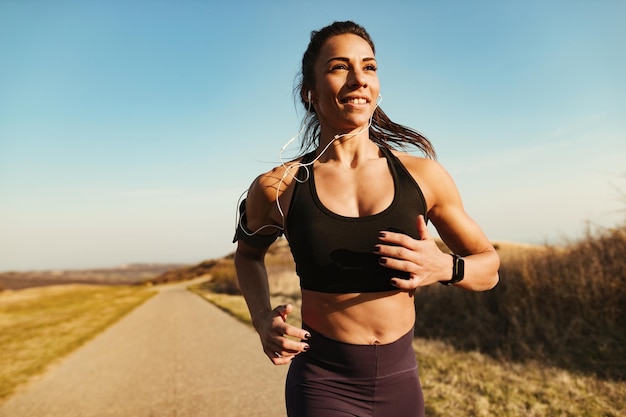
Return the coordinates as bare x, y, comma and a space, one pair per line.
357, 101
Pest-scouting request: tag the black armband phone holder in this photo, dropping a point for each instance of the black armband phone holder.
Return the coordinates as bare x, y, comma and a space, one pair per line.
249, 237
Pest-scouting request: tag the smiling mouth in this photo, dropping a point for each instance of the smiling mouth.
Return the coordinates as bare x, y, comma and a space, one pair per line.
354, 100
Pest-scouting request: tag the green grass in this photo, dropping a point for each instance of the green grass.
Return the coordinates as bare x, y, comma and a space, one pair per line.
41, 325
468, 383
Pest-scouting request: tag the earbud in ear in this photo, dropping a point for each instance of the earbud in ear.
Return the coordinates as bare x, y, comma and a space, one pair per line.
308, 95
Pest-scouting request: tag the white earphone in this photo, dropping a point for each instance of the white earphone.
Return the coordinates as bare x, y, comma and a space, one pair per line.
308, 95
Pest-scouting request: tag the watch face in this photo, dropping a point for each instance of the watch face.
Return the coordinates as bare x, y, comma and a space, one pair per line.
458, 270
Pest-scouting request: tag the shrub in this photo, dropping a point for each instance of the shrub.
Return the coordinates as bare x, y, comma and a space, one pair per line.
224, 278
563, 306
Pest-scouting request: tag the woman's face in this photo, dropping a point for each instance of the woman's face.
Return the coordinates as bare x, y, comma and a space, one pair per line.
346, 84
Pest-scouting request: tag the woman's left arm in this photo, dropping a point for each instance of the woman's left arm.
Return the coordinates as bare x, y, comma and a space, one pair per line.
425, 262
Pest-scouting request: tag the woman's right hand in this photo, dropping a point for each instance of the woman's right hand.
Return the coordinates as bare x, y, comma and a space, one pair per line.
280, 340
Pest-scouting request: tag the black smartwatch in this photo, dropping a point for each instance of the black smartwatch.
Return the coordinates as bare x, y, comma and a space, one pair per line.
458, 270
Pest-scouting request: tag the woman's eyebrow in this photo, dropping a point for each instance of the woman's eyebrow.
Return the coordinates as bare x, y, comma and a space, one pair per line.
344, 59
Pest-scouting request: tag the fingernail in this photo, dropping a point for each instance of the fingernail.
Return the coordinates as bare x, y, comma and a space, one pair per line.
306, 348
382, 260
382, 234
376, 248
307, 336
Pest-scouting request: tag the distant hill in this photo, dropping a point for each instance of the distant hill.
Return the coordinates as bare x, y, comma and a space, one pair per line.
278, 260
123, 275
186, 273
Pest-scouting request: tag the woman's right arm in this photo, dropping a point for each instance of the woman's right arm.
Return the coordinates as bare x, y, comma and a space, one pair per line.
252, 277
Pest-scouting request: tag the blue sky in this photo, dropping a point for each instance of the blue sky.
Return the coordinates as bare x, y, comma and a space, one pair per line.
128, 129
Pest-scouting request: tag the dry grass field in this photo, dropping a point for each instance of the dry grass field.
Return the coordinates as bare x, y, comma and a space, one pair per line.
40, 325
549, 340
480, 385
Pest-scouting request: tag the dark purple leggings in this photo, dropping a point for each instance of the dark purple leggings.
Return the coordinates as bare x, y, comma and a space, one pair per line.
335, 379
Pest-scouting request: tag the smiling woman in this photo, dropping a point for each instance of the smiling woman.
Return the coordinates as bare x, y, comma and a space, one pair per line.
356, 212
337, 104
336, 67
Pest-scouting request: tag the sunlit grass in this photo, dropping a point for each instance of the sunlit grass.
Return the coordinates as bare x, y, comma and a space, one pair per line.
41, 325
479, 385
235, 305
457, 382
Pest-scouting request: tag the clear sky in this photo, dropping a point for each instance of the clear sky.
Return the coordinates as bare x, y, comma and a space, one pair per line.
129, 129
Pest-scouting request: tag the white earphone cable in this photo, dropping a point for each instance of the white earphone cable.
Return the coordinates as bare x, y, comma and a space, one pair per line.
289, 168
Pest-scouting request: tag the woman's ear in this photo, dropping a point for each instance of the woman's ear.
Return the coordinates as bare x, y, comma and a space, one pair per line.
307, 95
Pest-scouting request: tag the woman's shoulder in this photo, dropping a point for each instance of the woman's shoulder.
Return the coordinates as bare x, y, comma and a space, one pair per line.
419, 165
432, 178
272, 184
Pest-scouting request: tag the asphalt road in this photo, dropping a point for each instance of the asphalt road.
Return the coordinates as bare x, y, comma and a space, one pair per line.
176, 355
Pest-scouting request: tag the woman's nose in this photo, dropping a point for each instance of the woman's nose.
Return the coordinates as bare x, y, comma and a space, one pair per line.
357, 79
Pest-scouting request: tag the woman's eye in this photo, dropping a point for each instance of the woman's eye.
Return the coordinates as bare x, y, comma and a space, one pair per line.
371, 68
339, 67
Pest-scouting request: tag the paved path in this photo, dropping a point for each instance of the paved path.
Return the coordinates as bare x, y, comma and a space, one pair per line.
176, 355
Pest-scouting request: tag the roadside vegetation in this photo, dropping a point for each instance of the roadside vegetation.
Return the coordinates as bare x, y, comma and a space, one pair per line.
549, 340
40, 325
562, 306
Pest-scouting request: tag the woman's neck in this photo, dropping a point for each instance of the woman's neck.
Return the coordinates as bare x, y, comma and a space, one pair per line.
347, 149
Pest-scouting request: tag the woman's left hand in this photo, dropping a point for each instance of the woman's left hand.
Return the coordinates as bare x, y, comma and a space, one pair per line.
422, 259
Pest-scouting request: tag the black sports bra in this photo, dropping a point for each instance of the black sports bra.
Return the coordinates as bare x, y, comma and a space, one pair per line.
334, 253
